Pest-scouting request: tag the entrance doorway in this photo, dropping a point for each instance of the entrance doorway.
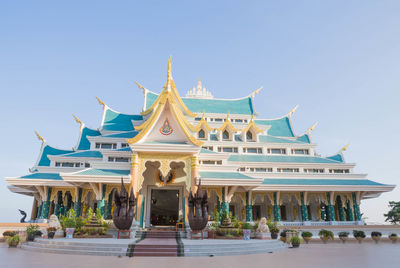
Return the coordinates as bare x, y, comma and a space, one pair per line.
164, 207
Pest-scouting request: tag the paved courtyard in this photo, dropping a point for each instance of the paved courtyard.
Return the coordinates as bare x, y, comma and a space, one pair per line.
336, 255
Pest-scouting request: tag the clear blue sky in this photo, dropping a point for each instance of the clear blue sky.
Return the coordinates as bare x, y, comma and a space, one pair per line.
339, 60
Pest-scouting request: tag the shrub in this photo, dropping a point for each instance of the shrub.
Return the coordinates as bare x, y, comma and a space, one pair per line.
326, 233
51, 229
376, 234
359, 233
393, 235
70, 220
306, 234
9, 233
273, 227
32, 229
295, 240
343, 234
13, 240
229, 236
246, 225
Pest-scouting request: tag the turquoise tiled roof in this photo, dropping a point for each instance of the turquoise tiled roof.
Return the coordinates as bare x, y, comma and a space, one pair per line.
319, 182
48, 150
218, 106
84, 143
337, 157
114, 121
304, 138
279, 127
205, 151
93, 154
279, 158
43, 176
223, 175
272, 139
104, 172
128, 134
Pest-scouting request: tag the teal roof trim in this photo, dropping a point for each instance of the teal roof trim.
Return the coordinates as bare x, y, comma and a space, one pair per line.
43, 176
84, 143
126, 149
272, 139
93, 154
48, 150
104, 172
304, 138
320, 182
127, 135
218, 106
279, 127
280, 158
114, 121
337, 157
223, 175
205, 151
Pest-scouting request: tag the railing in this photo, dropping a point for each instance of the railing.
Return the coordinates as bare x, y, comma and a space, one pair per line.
319, 223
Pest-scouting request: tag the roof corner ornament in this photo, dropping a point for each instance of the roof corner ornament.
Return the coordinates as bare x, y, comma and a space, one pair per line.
312, 128
345, 147
39, 137
141, 87
255, 92
293, 110
101, 102
78, 121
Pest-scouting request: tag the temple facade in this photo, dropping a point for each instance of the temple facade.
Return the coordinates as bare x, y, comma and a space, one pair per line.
249, 166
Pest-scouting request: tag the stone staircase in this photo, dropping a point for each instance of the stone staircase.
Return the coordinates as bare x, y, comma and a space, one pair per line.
79, 247
156, 243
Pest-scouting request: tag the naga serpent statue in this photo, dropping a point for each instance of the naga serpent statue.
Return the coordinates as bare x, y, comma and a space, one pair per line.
198, 211
123, 213
23, 213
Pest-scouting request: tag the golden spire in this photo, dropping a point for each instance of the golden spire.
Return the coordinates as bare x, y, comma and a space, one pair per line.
312, 127
293, 110
77, 120
169, 75
101, 102
39, 137
345, 147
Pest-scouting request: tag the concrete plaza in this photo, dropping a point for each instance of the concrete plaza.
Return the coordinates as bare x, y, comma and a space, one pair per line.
336, 255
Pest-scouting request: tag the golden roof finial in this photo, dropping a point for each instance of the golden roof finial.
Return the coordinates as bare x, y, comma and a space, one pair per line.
345, 147
227, 115
139, 85
293, 110
77, 120
255, 92
312, 127
169, 75
39, 137
100, 101
204, 112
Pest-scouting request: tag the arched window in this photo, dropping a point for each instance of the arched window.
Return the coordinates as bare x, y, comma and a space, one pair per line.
225, 135
249, 136
202, 134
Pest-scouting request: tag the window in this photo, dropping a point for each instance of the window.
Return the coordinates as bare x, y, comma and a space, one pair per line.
276, 151
228, 149
211, 162
106, 145
67, 164
197, 119
124, 145
238, 120
208, 148
314, 170
258, 169
249, 136
225, 135
87, 165
218, 119
339, 171
287, 170
118, 159
252, 150
300, 151
202, 134
243, 169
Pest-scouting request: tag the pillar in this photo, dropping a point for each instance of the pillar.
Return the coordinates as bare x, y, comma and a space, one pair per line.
340, 208
34, 209
304, 210
194, 172
135, 173
219, 208
249, 207
225, 204
349, 212
101, 202
142, 212
323, 211
78, 202
330, 208
69, 202
277, 206
356, 207
39, 213
109, 206
46, 204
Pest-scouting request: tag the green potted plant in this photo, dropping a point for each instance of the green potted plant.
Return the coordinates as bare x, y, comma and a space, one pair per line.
212, 229
7, 234
31, 231
325, 235
283, 236
295, 241
70, 223
343, 236
376, 236
306, 236
393, 237
13, 241
273, 228
359, 235
51, 232
246, 230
